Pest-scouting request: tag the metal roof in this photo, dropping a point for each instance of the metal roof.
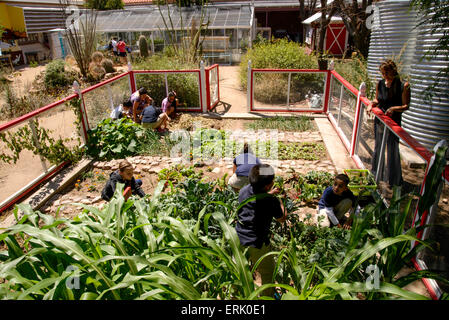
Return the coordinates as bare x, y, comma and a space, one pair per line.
317, 17
150, 19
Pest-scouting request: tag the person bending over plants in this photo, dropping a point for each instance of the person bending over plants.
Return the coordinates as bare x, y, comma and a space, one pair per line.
335, 202
122, 111
254, 219
140, 100
154, 118
242, 166
124, 175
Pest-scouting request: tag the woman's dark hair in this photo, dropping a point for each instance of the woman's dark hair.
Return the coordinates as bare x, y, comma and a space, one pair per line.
172, 94
246, 148
143, 91
127, 103
260, 176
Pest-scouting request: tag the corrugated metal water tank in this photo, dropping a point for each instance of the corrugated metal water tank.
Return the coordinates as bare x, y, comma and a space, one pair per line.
393, 35
427, 120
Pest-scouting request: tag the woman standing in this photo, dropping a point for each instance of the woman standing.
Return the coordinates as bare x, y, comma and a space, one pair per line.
393, 98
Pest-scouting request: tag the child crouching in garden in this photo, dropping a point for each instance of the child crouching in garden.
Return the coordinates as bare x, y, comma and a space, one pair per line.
123, 175
335, 202
254, 219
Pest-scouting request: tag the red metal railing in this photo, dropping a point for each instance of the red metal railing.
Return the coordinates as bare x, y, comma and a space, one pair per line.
251, 90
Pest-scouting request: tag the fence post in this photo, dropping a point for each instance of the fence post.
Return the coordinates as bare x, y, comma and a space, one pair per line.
248, 87
203, 87
357, 119
327, 89
132, 78
288, 89
381, 156
36, 141
83, 118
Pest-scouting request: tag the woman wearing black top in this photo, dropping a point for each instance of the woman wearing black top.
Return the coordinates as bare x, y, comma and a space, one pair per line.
393, 98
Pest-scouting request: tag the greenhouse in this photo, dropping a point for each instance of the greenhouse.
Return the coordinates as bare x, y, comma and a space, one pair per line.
227, 30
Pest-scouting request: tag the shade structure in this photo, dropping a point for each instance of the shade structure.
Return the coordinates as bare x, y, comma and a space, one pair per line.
150, 19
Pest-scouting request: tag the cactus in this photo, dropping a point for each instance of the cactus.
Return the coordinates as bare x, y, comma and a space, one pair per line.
97, 56
143, 46
96, 71
108, 65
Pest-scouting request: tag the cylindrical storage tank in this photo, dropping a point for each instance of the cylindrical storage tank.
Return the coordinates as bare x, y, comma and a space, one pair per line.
393, 35
427, 120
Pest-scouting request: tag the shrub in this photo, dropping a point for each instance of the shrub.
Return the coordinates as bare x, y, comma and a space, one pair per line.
280, 54
355, 71
185, 85
55, 75
143, 46
108, 65
15, 106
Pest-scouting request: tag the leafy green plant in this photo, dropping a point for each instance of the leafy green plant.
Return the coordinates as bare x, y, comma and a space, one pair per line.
115, 139
39, 141
177, 173
297, 124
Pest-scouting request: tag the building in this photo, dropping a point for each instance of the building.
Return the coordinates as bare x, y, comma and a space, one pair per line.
41, 18
336, 38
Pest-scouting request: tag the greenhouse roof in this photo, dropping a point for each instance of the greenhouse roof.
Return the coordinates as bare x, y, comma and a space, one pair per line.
150, 19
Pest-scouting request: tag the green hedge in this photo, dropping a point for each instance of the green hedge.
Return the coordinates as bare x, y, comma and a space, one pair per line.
280, 54
185, 84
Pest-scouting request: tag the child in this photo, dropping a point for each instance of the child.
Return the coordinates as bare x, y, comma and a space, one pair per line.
335, 202
254, 219
140, 100
155, 119
169, 104
122, 111
123, 175
242, 166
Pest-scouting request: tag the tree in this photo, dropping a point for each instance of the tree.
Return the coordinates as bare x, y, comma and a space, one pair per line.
305, 9
190, 49
104, 4
354, 17
80, 33
327, 13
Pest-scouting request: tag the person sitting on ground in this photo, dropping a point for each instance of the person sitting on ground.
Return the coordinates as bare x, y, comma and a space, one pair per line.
242, 166
335, 202
254, 219
154, 118
122, 111
140, 100
124, 175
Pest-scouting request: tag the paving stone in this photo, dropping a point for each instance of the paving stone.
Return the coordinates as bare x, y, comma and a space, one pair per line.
216, 170
96, 199
86, 201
